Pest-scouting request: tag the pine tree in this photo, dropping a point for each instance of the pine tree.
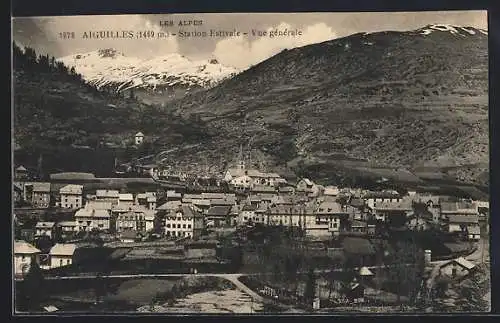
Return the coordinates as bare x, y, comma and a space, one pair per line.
32, 288
310, 289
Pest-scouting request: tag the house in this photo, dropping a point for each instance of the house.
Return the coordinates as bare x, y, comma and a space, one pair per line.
38, 193
125, 200
459, 223
111, 196
17, 193
222, 202
184, 222
138, 218
45, 229
259, 188
147, 199
168, 206
284, 200
67, 227
71, 196
307, 187
473, 233
461, 208
329, 219
286, 190
284, 215
217, 216
21, 173
247, 215
241, 182
331, 191
457, 268
24, 255
395, 212
359, 226
372, 198
89, 218
139, 138
173, 196
62, 254
418, 223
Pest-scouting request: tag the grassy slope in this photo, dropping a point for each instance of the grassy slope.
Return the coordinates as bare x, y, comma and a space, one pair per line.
391, 98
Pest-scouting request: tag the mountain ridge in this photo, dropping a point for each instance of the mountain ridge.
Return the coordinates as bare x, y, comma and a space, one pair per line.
400, 99
167, 74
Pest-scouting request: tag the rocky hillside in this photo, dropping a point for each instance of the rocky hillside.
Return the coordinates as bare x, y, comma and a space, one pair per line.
55, 109
412, 100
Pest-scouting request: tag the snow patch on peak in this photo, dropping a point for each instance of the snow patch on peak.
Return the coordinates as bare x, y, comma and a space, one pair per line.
468, 30
444, 27
455, 30
108, 67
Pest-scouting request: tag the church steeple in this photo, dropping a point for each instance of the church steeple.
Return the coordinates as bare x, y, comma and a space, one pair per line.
241, 161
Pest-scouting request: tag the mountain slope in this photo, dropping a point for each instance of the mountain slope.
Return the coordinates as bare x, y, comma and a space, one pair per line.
169, 75
55, 110
399, 99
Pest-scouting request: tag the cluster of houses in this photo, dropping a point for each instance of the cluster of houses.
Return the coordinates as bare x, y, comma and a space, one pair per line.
257, 198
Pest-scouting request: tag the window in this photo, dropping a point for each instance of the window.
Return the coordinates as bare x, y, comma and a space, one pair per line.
68, 261
168, 225
335, 225
184, 226
189, 226
60, 262
178, 226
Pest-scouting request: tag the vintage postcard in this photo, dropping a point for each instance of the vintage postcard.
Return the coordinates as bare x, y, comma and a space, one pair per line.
250, 163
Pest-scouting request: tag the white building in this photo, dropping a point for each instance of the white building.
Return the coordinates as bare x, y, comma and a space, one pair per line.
138, 219
111, 196
184, 222
45, 229
62, 254
88, 218
139, 138
125, 200
24, 255
68, 227
147, 199
71, 196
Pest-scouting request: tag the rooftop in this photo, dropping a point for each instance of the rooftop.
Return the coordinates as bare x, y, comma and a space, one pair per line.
329, 208
107, 194
87, 212
219, 211
22, 247
71, 189
42, 225
63, 249
126, 197
452, 218
41, 187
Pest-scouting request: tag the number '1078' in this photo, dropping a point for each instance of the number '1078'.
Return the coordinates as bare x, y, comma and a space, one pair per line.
67, 35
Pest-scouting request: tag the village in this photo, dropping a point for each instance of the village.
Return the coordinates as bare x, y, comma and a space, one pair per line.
56, 223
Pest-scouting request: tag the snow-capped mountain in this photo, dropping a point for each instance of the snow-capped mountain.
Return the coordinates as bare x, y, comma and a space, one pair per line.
113, 69
455, 30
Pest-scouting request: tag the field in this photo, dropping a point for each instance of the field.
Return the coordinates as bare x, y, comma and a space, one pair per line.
102, 295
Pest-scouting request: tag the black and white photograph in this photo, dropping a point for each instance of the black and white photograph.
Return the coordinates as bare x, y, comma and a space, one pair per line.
322, 163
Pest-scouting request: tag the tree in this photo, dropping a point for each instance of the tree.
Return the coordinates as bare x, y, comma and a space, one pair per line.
310, 290
406, 270
31, 293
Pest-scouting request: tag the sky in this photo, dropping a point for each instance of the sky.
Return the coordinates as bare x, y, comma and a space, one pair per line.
42, 33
